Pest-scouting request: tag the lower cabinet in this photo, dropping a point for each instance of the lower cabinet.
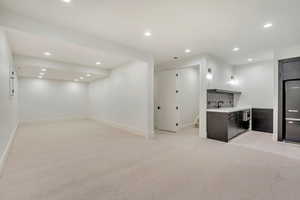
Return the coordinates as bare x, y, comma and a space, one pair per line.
225, 126
262, 120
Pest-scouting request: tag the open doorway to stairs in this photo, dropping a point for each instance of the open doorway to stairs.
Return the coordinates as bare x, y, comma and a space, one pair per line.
177, 93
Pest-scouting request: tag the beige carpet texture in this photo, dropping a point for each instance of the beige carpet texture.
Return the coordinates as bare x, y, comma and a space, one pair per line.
86, 160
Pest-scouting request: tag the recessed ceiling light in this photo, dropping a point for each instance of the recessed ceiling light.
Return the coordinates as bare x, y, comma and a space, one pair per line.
42, 74
66, 1
147, 34
76, 80
268, 25
81, 78
44, 70
47, 53
98, 63
235, 49
187, 51
88, 75
250, 59
40, 77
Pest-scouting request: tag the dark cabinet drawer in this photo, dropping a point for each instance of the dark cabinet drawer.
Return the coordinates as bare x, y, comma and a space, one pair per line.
292, 131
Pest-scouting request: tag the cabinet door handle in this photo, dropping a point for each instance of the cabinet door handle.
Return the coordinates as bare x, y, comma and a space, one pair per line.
293, 111
292, 119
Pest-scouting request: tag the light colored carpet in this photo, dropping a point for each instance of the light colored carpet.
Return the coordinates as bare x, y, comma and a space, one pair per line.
83, 160
264, 142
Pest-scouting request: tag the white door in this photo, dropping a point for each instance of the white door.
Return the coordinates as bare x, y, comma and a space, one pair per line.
167, 108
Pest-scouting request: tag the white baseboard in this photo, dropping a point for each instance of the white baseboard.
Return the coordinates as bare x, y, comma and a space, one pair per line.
187, 125
4, 156
46, 121
132, 130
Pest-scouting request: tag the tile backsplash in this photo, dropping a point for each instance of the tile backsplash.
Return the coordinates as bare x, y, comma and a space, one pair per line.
213, 98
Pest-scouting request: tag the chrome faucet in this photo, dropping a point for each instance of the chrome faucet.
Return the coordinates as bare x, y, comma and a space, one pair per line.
220, 103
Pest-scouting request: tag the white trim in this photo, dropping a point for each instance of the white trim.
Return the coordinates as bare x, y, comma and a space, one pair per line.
4, 156
132, 130
46, 121
188, 125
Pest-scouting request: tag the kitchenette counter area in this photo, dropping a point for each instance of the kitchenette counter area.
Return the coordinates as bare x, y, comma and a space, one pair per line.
226, 119
223, 124
228, 109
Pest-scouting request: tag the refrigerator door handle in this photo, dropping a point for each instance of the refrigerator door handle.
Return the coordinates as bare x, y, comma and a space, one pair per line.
292, 119
293, 111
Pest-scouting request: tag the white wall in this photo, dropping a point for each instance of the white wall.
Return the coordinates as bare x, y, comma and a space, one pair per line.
256, 82
8, 104
285, 53
221, 74
122, 99
189, 93
41, 99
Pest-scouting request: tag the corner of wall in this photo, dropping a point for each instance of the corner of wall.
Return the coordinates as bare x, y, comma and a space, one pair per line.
150, 133
9, 105
7, 149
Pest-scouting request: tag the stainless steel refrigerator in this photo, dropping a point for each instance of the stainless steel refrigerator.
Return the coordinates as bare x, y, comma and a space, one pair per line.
292, 111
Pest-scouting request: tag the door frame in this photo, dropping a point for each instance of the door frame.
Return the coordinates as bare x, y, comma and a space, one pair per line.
159, 110
202, 103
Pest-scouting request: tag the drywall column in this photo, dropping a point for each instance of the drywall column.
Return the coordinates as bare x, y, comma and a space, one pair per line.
203, 98
150, 133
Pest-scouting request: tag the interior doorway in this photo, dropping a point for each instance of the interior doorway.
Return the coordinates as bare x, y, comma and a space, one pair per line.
177, 99
167, 108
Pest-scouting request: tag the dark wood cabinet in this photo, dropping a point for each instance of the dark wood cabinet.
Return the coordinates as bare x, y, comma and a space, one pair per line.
225, 126
262, 120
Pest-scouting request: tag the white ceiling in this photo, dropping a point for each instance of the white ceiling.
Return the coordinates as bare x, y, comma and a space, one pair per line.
204, 26
35, 46
54, 74
31, 67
